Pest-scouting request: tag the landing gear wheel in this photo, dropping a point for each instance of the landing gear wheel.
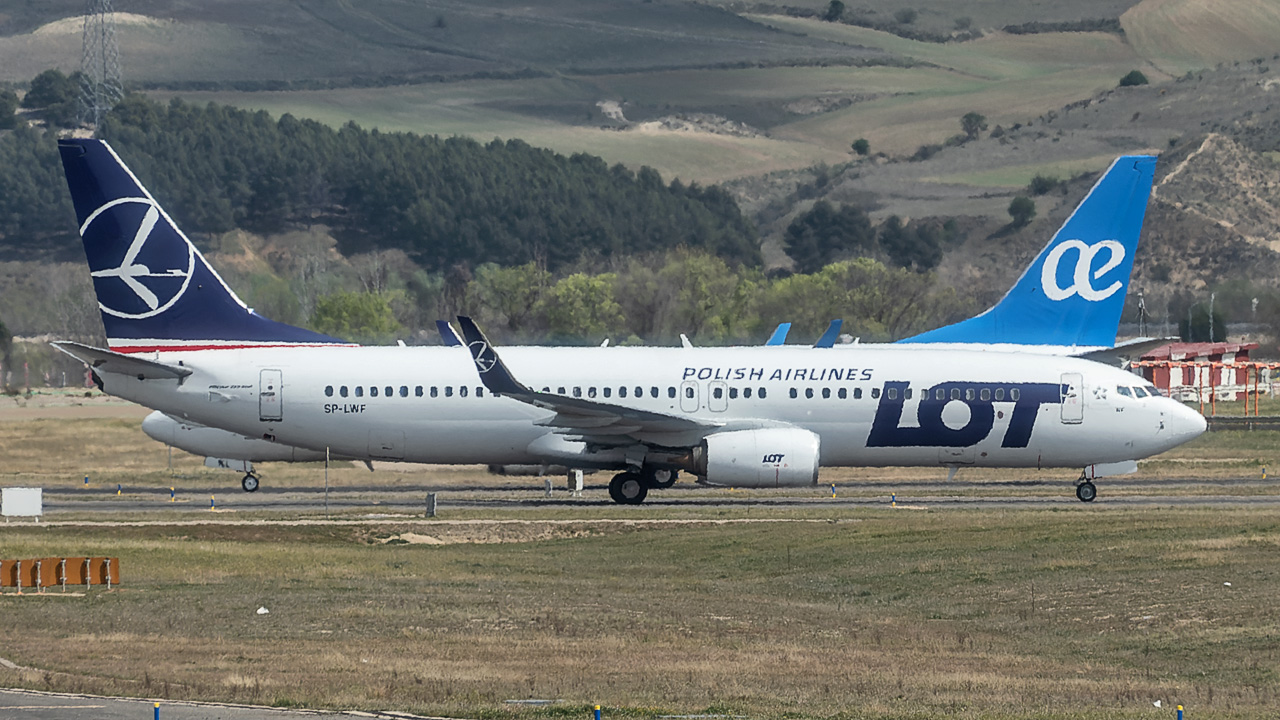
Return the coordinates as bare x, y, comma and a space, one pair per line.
1086, 491
661, 478
249, 482
628, 488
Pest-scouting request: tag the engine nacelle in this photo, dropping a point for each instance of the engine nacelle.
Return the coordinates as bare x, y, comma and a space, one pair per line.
770, 457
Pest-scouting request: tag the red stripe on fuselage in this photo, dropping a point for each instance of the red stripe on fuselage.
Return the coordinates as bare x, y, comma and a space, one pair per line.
133, 349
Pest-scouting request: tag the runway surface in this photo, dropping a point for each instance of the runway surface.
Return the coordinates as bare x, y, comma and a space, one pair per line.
34, 705
412, 498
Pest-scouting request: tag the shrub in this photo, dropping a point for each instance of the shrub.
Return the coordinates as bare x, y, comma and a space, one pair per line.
1133, 78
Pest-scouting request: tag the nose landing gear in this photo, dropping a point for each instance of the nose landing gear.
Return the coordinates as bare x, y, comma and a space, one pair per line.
1085, 490
249, 482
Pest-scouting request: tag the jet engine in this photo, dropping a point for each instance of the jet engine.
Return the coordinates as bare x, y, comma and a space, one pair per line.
769, 457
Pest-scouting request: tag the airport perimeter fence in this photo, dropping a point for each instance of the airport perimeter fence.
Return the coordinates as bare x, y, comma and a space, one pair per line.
41, 573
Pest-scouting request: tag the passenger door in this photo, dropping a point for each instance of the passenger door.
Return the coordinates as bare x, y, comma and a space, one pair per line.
1072, 389
270, 396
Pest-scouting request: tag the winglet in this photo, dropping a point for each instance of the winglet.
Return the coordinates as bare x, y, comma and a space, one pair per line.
448, 334
779, 336
829, 337
493, 373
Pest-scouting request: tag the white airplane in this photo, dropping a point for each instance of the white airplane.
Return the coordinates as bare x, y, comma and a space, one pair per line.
742, 417
1067, 302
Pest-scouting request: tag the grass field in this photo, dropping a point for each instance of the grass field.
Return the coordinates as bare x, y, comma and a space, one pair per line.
1086, 613
1182, 35
1070, 611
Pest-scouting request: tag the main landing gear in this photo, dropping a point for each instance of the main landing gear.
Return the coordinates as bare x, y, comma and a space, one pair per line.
249, 482
628, 488
632, 487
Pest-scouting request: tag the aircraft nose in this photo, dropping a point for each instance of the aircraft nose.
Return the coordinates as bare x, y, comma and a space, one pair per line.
1183, 424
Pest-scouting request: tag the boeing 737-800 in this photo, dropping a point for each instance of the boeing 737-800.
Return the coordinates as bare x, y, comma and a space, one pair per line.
1067, 302
185, 345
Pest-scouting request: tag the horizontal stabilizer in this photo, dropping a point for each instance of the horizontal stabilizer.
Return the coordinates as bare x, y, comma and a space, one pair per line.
113, 362
1126, 351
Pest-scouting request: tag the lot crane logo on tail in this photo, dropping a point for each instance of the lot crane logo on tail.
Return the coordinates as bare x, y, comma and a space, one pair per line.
153, 291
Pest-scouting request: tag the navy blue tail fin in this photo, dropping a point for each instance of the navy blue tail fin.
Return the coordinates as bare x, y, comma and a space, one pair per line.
1073, 293
155, 290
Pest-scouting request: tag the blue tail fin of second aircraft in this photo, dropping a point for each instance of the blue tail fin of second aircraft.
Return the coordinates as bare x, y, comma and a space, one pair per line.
155, 290
1074, 291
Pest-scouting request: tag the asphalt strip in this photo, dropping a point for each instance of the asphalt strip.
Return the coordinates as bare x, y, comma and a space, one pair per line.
265, 709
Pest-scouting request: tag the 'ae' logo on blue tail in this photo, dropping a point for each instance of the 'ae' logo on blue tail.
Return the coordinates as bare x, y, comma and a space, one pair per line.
1081, 279
151, 276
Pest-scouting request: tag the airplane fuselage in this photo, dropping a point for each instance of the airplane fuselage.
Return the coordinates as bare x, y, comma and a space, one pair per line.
873, 406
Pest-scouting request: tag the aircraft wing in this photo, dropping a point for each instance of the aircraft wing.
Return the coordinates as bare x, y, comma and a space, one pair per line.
121, 364
590, 420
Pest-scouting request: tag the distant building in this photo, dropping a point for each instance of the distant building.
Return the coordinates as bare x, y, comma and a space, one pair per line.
1200, 371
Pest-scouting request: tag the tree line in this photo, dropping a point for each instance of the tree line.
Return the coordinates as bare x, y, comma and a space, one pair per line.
444, 201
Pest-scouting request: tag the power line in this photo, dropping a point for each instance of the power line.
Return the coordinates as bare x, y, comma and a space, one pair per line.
100, 85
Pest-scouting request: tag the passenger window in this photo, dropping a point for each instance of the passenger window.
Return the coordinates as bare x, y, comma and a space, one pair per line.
577, 391
435, 391
653, 391
843, 393
608, 392
359, 391
328, 391
448, 391
955, 393
389, 391
622, 391
591, 392
893, 393
762, 395
404, 391
717, 393
373, 391
462, 391
1123, 391
826, 393
857, 393
342, 391
1015, 393
671, 392
907, 394
985, 394
875, 393
733, 393
479, 391
417, 391
999, 393
746, 393
559, 391
968, 393
640, 392
939, 394
688, 392
808, 393
794, 394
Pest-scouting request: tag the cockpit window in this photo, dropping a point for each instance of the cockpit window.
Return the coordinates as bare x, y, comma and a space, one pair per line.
1124, 391
1139, 392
